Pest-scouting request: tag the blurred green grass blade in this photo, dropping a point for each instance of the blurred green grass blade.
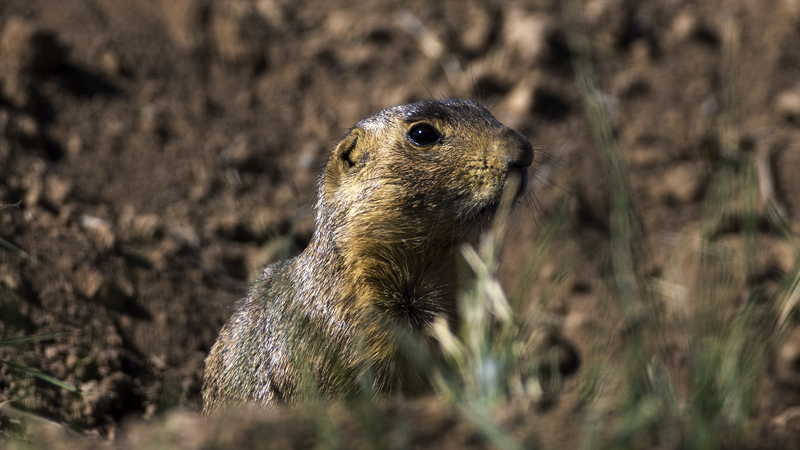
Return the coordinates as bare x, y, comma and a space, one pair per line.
493, 433
627, 246
779, 221
625, 235
727, 182
788, 304
29, 339
539, 254
43, 376
18, 251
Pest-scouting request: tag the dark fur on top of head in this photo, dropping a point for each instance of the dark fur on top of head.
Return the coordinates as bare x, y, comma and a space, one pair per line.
390, 217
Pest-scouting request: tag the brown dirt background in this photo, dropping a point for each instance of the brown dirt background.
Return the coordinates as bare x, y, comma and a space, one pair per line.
162, 150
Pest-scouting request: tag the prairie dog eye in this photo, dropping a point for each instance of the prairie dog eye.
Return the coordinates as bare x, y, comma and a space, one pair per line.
423, 135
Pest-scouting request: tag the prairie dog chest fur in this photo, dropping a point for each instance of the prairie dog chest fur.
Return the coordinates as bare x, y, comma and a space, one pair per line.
400, 193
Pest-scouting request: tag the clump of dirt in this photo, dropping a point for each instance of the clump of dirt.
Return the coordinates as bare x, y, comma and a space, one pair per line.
154, 154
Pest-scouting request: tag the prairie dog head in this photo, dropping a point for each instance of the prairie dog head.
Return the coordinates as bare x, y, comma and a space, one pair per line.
432, 171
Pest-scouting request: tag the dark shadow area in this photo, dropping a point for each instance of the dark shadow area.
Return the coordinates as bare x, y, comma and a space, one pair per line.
83, 83
550, 106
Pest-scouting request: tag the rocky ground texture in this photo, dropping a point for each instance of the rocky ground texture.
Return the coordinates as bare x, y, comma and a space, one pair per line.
155, 153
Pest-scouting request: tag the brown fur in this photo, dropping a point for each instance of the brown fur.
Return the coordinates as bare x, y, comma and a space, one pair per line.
391, 216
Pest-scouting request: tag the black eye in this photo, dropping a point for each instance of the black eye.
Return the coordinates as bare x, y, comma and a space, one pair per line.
423, 134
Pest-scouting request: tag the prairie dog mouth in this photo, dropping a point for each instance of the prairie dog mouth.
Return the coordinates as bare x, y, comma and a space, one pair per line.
523, 184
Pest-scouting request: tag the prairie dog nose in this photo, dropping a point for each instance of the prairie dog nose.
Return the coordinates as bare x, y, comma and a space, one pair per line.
520, 156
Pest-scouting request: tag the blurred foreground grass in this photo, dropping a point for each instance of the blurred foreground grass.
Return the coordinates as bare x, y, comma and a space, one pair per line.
705, 396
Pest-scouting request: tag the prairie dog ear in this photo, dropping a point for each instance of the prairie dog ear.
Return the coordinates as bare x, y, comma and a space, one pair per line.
346, 157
